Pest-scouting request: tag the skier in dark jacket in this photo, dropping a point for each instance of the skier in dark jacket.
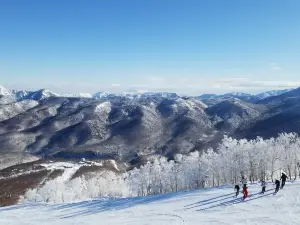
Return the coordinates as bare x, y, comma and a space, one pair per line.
263, 185
277, 183
283, 179
237, 189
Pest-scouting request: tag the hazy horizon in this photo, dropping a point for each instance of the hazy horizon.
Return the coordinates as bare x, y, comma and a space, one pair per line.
142, 91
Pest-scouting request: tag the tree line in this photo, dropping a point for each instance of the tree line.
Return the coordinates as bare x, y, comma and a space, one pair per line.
257, 159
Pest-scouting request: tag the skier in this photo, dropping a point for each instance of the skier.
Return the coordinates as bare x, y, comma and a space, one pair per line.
237, 189
263, 185
245, 192
283, 178
277, 183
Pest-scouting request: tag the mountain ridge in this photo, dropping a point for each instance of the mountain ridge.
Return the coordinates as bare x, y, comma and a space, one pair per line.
130, 129
41, 94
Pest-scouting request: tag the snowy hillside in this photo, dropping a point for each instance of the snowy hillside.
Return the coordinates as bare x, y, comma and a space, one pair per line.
268, 94
206, 206
212, 99
10, 110
133, 125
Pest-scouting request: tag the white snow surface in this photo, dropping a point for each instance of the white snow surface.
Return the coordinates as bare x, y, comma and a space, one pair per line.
206, 206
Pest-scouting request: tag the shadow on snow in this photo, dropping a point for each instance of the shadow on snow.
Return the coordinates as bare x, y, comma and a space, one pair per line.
102, 205
209, 203
106, 204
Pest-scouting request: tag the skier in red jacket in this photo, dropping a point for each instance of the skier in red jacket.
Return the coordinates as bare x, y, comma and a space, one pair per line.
245, 192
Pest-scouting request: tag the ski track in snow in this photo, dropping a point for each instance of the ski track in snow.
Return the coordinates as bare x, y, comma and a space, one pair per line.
206, 206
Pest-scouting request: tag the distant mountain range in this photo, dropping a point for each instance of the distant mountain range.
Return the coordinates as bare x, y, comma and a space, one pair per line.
245, 95
211, 99
15, 95
133, 126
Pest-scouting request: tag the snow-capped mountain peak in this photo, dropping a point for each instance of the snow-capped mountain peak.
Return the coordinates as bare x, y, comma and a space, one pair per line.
272, 93
99, 95
41, 94
209, 99
4, 91
6, 95
135, 92
80, 95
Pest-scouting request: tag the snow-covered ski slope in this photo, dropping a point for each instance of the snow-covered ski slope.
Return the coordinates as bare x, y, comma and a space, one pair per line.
207, 206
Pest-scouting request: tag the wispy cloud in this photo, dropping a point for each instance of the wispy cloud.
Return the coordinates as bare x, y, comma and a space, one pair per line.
274, 66
116, 85
194, 86
156, 78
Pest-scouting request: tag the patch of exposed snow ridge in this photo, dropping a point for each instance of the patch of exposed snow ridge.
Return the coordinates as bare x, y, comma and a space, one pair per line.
104, 107
4, 91
12, 109
80, 95
272, 93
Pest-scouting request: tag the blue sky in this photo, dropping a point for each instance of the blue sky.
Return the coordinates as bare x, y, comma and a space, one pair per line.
190, 47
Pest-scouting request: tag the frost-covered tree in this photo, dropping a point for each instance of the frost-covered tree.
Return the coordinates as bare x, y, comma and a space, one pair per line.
256, 160
233, 159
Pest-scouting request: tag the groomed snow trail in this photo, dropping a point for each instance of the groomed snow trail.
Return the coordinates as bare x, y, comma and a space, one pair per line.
209, 206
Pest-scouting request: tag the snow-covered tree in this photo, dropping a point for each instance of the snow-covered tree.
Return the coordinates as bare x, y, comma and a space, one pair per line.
233, 159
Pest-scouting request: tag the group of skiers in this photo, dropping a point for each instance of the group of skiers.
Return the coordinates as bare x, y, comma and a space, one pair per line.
263, 185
